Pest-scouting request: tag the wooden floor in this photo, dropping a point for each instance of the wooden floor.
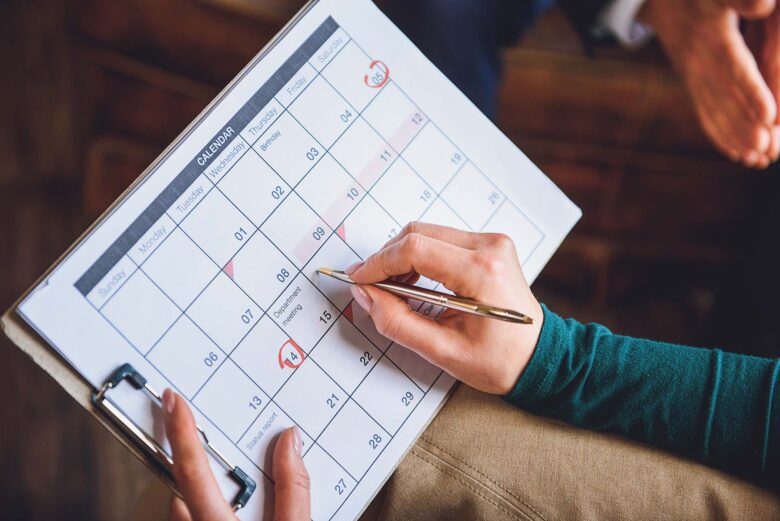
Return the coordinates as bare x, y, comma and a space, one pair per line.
89, 94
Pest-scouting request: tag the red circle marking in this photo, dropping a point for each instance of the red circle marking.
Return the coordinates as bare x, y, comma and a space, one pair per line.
286, 362
382, 67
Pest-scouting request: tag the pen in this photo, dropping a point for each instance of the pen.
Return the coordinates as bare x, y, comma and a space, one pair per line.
464, 304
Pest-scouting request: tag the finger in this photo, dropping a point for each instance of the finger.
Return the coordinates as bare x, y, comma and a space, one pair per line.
422, 254
177, 510
191, 469
774, 149
718, 137
770, 55
291, 480
464, 239
394, 319
752, 9
738, 127
746, 74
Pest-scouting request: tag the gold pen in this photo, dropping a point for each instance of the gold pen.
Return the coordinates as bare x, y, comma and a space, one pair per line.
464, 304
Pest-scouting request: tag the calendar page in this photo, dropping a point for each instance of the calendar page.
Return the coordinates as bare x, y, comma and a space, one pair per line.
204, 278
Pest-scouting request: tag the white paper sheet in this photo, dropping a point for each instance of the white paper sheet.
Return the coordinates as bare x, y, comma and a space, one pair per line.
204, 276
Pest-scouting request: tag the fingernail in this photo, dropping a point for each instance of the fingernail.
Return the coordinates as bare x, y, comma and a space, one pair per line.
361, 297
297, 442
353, 268
168, 401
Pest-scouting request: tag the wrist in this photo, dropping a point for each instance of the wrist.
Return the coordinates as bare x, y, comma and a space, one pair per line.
543, 360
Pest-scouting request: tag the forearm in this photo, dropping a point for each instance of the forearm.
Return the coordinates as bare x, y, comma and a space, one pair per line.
721, 408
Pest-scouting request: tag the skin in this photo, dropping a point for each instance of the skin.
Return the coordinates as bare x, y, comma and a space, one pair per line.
201, 497
735, 88
489, 355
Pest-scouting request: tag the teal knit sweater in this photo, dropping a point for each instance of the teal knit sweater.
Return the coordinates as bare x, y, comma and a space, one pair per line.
717, 407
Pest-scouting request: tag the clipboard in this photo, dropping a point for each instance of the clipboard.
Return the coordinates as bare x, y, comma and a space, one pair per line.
96, 401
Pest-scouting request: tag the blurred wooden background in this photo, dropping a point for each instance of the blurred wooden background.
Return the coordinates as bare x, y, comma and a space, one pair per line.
675, 242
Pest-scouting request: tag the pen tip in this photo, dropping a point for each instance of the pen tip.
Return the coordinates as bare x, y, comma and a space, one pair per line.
325, 271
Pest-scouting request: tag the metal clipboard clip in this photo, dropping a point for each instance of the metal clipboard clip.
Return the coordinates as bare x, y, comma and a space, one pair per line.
148, 444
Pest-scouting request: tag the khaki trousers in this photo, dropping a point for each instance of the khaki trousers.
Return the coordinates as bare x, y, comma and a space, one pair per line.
483, 459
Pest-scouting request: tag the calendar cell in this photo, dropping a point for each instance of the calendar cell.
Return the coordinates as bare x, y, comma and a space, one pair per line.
296, 230
388, 395
260, 354
349, 73
218, 228
363, 153
303, 313
254, 188
422, 372
323, 112
261, 270
220, 166
186, 356
433, 156
112, 281
395, 117
141, 325
231, 400
369, 227
335, 254
409, 203
329, 49
511, 221
224, 312
262, 121
439, 213
187, 201
331, 191
181, 281
310, 398
296, 85
345, 354
362, 320
354, 439
327, 476
261, 437
473, 195
153, 238
289, 149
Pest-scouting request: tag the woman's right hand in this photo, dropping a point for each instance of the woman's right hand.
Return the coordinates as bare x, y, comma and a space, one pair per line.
487, 354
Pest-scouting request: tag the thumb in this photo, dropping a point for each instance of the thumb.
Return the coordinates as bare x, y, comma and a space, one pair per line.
291, 480
394, 319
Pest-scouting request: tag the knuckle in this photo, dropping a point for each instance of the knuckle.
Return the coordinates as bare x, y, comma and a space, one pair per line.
490, 263
412, 243
412, 227
301, 480
501, 241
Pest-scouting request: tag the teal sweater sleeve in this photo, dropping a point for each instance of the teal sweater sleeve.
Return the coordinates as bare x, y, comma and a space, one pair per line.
721, 408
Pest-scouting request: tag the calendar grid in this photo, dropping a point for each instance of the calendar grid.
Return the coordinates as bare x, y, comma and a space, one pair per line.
395, 153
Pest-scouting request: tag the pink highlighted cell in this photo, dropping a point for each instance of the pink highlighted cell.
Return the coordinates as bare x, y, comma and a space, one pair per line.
405, 132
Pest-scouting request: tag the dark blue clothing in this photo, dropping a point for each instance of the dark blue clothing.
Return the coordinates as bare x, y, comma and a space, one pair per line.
464, 37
